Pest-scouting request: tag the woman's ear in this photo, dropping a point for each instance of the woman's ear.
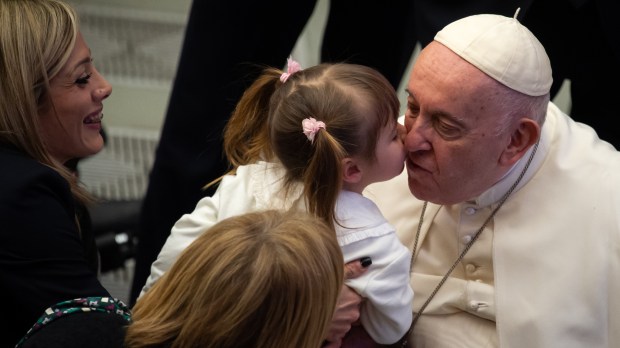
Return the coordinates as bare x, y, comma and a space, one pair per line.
351, 172
522, 138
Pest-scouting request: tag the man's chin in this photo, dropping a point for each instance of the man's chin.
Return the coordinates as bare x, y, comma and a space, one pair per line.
413, 188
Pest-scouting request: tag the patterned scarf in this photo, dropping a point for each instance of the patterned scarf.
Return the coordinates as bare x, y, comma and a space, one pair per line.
88, 304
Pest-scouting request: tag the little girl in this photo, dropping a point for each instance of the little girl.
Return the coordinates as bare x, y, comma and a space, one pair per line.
313, 139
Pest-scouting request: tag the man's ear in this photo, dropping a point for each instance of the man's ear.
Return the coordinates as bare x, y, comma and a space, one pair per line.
351, 172
522, 138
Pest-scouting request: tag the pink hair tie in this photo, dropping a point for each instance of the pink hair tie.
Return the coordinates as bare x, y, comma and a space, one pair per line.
311, 127
292, 67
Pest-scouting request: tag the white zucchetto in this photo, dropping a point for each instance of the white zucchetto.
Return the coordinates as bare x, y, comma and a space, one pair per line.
502, 48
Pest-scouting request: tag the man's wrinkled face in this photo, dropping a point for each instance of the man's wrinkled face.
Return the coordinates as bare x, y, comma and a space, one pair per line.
453, 144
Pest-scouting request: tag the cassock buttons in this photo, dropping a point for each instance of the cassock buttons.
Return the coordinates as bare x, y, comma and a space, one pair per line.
466, 239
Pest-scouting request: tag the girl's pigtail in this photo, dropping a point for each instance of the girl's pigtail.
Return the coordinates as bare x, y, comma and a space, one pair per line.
246, 135
323, 176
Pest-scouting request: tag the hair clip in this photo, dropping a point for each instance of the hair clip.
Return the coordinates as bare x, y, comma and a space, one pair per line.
311, 126
292, 67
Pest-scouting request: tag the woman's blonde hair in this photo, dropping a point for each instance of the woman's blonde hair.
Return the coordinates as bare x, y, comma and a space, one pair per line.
263, 279
36, 40
354, 101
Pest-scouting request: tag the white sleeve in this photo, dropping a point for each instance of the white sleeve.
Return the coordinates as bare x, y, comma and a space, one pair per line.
183, 233
232, 197
387, 311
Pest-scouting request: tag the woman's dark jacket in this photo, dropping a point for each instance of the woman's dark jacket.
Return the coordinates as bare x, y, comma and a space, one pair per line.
44, 259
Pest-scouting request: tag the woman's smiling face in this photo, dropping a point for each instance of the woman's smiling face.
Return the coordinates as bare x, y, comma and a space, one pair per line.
70, 118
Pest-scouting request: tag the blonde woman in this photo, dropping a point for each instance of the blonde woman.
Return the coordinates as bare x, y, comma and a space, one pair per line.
51, 103
263, 279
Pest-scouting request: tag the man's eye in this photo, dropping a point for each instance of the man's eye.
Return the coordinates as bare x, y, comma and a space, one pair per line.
84, 79
413, 110
446, 130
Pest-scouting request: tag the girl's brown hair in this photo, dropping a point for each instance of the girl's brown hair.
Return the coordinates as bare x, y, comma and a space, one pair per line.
354, 101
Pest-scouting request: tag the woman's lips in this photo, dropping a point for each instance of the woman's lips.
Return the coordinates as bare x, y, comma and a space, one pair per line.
93, 118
